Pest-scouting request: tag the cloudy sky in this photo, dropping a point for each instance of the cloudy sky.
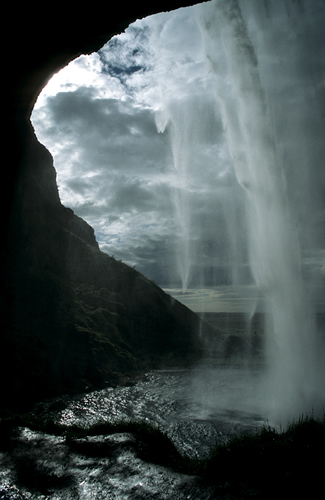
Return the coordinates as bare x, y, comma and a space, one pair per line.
143, 153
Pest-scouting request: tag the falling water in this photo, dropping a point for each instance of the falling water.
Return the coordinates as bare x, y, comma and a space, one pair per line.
193, 124
271, 150
182, 131
294, 352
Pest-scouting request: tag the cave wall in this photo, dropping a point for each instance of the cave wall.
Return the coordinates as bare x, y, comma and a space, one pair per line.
71, 317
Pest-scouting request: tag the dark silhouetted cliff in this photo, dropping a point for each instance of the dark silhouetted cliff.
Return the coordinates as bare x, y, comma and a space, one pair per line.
71, 316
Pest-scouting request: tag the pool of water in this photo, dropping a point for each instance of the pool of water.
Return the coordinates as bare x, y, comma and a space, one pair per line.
197, 408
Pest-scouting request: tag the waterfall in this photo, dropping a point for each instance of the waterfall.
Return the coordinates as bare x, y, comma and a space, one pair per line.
183, 141
259, 88
295, 355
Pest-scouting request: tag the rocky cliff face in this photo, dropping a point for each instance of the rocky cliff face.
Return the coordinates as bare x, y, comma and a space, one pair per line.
80, 318
72, 317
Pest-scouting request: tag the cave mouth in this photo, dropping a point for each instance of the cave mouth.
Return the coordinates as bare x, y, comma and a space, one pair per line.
106, 120
141, 148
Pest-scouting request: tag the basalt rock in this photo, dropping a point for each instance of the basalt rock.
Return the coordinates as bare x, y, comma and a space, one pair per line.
71, 316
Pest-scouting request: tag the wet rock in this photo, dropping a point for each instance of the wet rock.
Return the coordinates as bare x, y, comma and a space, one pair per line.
101, 467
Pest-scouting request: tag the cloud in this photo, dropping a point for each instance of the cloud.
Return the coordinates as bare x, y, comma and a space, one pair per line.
141, 145
109, 132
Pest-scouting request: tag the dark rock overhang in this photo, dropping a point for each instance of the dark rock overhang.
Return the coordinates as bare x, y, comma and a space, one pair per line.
46, 39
